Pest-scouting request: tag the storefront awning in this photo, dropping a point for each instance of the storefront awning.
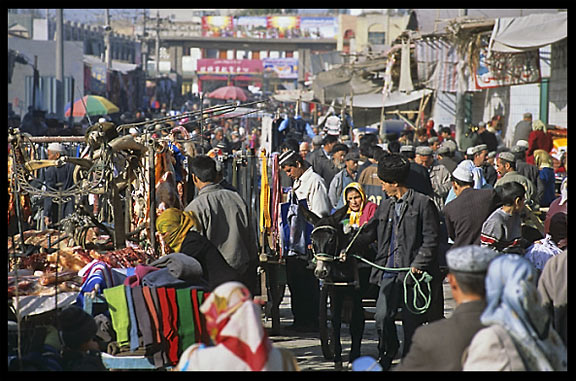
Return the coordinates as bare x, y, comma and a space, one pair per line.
519, 34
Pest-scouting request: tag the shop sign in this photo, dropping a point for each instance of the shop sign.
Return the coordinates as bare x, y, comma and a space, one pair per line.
221, 66
505, 69
281, 67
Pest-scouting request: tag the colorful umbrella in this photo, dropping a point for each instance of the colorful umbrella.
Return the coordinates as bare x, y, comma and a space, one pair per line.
229, 92
95, 105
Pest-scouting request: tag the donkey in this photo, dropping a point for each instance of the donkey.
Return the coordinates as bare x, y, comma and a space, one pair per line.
340, 273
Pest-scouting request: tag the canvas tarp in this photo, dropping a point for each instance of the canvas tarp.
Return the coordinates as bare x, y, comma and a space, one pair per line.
519, 34
367, 107
341, 82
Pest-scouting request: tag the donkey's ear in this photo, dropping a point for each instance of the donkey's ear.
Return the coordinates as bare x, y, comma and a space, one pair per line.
340, 214
310, 216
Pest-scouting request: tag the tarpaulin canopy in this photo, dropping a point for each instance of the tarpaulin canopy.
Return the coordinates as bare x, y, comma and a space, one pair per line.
395, 98
519, 34
342, 81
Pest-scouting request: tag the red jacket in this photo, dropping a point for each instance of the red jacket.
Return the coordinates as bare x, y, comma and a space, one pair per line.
538, 140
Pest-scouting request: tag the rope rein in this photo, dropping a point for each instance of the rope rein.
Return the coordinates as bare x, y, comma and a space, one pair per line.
418, 289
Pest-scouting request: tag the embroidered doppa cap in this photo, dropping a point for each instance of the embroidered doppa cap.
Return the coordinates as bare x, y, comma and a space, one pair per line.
56, 147
463, 171
424, 151
470, 259
442, 150
508, 156
287, 156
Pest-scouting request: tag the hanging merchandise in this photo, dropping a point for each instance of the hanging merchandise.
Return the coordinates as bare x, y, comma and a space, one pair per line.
405, 75
332, 126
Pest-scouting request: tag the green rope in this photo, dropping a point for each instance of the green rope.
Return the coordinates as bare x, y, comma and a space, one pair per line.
425, 277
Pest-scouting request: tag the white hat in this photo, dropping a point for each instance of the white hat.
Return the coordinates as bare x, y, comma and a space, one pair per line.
463, 171
56, 147
133, 130
522, 143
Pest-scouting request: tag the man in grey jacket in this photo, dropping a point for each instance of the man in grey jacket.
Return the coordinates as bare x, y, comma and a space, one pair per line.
225, 220
439, 346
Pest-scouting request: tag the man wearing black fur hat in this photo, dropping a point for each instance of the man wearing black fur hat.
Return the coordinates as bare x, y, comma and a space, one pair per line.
406, 228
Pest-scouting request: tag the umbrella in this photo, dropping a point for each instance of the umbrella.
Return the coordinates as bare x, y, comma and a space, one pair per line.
95, 105
229, 92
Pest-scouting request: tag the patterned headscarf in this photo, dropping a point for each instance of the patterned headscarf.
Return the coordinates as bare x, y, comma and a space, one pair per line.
355, 216
176, 224
233, 320
542, 159
513, 302
538, 125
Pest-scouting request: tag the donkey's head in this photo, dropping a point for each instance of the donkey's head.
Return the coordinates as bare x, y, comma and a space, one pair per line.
328, 240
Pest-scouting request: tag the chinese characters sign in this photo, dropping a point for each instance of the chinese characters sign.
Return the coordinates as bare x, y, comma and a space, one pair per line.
219, 66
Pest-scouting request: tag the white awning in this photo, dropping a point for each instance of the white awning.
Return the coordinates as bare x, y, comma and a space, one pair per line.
518, 34
394, 99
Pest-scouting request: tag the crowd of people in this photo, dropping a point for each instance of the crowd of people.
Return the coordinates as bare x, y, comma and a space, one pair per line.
467, 210
488, 218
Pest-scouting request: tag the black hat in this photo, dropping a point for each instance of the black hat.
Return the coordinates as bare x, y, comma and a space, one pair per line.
393, 168
76, 326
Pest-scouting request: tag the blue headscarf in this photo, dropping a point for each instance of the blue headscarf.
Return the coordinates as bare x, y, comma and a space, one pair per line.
513, 302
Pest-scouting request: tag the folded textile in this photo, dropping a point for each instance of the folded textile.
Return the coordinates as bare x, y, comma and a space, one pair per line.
118, 307
180, 265
94, 273
139, 273
164, 278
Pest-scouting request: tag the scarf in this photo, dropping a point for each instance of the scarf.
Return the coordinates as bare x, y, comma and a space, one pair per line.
513, 302
233, 321
176, 224
355, 216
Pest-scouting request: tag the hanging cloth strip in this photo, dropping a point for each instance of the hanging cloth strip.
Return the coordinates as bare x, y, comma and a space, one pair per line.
265, 220
169, 316
186, 324
116, 296
134, 344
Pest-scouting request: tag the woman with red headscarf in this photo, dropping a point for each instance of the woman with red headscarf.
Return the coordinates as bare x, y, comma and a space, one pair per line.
239, 341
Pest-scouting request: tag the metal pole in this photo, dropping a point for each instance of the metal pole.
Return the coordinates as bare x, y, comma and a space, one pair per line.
152, 190
60, 64
157, 47
107, 32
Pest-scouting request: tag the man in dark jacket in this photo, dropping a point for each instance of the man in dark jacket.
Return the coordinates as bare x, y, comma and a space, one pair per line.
465, 214
467, 267
406, 227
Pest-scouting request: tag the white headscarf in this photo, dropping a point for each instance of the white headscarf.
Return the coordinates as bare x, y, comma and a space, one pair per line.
513, 302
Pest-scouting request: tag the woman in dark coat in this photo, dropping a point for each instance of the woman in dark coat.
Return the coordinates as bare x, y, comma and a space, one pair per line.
178, 230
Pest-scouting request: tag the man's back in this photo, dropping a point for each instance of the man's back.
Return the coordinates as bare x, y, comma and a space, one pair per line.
522, 131
466, 213
225, 221
438, 346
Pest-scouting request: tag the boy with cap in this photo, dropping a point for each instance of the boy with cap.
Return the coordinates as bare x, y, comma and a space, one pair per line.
506, 166
80, 351
439, 346
406, 228
465, 214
